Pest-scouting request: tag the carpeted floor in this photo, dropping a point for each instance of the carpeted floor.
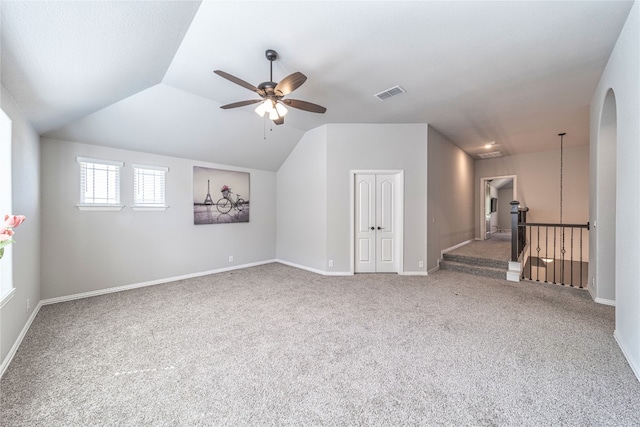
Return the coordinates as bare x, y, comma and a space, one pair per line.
274, 345
497, 247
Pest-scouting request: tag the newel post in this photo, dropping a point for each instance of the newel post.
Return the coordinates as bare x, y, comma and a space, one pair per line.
514, 230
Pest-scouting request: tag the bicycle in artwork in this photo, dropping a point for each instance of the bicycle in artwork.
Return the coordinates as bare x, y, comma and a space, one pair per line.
226, 202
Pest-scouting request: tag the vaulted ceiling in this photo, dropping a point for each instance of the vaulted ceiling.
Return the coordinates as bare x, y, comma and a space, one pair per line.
139, 75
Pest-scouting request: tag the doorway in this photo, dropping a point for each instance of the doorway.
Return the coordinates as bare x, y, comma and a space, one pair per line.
496, 193
377, 221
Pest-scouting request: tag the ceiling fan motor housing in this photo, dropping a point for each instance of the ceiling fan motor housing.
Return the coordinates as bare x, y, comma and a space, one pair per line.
268, 87
271, 55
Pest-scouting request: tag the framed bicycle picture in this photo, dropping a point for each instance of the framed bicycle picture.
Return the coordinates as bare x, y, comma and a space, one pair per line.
220, 196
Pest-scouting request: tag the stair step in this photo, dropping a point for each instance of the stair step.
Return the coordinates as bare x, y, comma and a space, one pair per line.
478, 270
481, 262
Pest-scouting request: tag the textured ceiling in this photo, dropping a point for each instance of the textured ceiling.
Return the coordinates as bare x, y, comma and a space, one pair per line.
139, 75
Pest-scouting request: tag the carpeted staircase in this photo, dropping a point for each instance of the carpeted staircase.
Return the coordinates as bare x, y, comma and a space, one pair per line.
474, 265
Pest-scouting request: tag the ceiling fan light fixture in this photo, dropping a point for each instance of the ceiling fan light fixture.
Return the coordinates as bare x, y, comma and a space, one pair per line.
264, 107
281, 109
277, 112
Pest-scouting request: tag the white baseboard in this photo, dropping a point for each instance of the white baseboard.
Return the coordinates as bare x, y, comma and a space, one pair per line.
9, 357
635, 364
315, 270
414, 273
434, 269
459, 245
149, 283
605, 301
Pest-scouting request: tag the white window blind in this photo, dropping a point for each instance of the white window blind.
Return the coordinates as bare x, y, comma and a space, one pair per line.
149, 185
99, 182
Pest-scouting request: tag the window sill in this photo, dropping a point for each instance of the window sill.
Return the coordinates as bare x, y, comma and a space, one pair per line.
7, 296
149, 208
103, 208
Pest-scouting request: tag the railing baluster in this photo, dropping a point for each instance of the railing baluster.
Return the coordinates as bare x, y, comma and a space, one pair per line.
571, 258
554, 253
546, 254
562, 252
538, 255
530, 260
581, 233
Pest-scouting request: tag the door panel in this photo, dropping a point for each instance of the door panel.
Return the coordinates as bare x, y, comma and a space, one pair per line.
385, 224
365, 220
376, 240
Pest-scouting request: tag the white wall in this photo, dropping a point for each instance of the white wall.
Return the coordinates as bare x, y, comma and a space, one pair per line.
622, 74
89, 251
538, 184
450, 192
379, 147
302, 203
26, 251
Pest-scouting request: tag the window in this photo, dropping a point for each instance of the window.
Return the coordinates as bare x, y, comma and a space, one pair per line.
6, 273
148, 187
99, 184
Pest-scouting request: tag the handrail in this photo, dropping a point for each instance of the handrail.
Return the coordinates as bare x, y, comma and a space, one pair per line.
549, 224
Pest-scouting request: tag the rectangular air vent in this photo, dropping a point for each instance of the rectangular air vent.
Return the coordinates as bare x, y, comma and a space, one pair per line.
386, 94
491, 155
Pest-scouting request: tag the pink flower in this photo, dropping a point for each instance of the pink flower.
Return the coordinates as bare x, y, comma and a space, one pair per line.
6, 232
4, 237
225, 188
13, 221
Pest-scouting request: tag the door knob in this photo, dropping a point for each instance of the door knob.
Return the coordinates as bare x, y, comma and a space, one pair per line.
379, 228
373, 228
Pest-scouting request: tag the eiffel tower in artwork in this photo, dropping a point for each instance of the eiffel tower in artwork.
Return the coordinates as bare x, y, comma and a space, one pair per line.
208, 200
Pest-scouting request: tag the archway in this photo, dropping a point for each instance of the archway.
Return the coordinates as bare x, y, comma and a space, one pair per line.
605, 221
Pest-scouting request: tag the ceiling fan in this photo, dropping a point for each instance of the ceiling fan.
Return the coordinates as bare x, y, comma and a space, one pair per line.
273, 94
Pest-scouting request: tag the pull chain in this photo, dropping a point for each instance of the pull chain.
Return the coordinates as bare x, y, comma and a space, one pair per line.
264, 128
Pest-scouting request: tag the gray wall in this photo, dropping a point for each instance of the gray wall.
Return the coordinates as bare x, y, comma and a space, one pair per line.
379, 147
90, 251
316, 228
494, 215
302, 203
505, 196
538, 184
26, 201
450, 207
622, 74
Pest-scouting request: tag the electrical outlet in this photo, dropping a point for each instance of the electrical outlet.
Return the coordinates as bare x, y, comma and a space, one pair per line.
230, 258
420, 264
28, 304
330, 263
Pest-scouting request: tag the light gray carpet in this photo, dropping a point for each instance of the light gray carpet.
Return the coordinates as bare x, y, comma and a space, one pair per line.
274, 345
498, 247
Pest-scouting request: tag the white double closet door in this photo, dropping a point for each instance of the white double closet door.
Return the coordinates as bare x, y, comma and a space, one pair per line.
376, 223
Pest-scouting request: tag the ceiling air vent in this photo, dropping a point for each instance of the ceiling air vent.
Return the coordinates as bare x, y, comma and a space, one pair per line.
385, 94
491, 155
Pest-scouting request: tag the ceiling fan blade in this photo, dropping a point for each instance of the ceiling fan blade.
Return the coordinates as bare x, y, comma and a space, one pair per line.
290, 83
240, 104
304, 105
279, 121
240, 82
